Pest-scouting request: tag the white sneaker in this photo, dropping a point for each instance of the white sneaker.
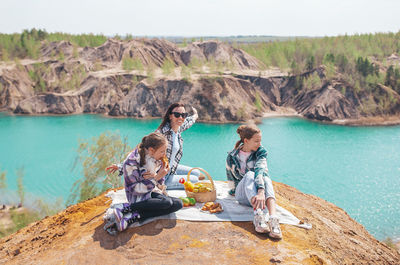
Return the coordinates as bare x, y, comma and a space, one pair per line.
259, 222
275, 229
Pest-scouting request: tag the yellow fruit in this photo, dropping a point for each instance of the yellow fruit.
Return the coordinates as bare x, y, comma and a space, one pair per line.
202, 189
188, 186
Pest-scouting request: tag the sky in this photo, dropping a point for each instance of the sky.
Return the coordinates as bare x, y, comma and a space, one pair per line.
202, 17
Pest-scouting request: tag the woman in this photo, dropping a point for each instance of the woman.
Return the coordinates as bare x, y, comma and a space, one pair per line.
247, 173
175, 121
143, 178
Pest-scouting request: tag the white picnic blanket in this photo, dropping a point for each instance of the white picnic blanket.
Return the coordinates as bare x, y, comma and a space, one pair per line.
232, 210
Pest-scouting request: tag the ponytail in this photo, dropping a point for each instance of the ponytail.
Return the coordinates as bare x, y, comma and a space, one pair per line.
246, 132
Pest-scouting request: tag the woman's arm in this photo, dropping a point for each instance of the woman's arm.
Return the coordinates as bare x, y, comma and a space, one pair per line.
189, 121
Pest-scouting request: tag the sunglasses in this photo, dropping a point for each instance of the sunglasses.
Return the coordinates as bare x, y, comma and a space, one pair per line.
178, 114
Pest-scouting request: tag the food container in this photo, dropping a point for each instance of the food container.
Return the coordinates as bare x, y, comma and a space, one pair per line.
206, 196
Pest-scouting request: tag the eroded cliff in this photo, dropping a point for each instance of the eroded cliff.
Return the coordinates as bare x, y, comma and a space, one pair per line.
140, 78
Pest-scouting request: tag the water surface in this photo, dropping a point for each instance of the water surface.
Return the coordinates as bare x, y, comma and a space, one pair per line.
356, 168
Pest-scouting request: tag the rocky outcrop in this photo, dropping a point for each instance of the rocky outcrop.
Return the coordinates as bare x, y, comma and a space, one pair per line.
219, 53
57, 48
49, 104
76, 236
15, 86
325, 104
148, 52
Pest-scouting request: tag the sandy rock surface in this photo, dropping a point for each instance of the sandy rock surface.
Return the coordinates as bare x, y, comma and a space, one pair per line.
76, 236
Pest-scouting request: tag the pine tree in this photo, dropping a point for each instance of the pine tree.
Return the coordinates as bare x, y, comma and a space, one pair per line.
310, 63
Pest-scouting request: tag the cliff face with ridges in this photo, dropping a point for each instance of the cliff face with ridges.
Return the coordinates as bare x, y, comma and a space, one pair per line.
69, 80
76, 236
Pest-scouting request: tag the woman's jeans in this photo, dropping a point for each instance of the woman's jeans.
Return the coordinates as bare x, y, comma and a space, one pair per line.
172, 181
246, 189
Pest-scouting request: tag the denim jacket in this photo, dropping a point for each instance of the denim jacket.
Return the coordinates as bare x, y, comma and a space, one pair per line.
256, 162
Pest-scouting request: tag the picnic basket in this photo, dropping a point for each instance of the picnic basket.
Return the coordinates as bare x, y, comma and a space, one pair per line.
207, 196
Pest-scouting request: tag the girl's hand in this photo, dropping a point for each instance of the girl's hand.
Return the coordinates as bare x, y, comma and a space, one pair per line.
258, 201
111, 169
162, 172
149, 175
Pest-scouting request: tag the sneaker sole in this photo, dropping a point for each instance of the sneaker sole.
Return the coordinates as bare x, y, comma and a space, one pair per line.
275, 236
262, 230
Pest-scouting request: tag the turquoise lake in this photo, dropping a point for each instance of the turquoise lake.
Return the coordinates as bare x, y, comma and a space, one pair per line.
356, 168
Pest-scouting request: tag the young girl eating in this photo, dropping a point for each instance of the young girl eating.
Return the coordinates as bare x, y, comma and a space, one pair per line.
247, 174
144, 173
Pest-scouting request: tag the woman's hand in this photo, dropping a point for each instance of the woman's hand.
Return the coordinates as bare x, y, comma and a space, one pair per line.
258, 201
194, 110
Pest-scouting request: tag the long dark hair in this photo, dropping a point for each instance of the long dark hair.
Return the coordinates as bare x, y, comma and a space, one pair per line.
246, 132
166, 118
154, 140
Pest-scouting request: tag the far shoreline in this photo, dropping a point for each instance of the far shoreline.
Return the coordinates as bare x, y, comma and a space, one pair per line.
373, 121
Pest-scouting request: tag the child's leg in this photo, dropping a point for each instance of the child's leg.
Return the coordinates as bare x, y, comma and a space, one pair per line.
246, 189
157, 205
273, 222
270, 196
156, 202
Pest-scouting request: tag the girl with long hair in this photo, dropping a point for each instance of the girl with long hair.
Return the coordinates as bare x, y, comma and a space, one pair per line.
144, 173
247, 173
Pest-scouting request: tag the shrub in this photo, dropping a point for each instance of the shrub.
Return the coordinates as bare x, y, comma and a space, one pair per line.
168, 66
4, 55
61, 56
20, 184
3, 180
186, 73
24, 218
94, 157
130, 64
313, 81
258, 102
310, 63
241, 112
389, 242
97, 66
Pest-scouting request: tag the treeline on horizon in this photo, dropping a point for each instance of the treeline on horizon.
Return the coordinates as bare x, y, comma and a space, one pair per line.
27, 44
